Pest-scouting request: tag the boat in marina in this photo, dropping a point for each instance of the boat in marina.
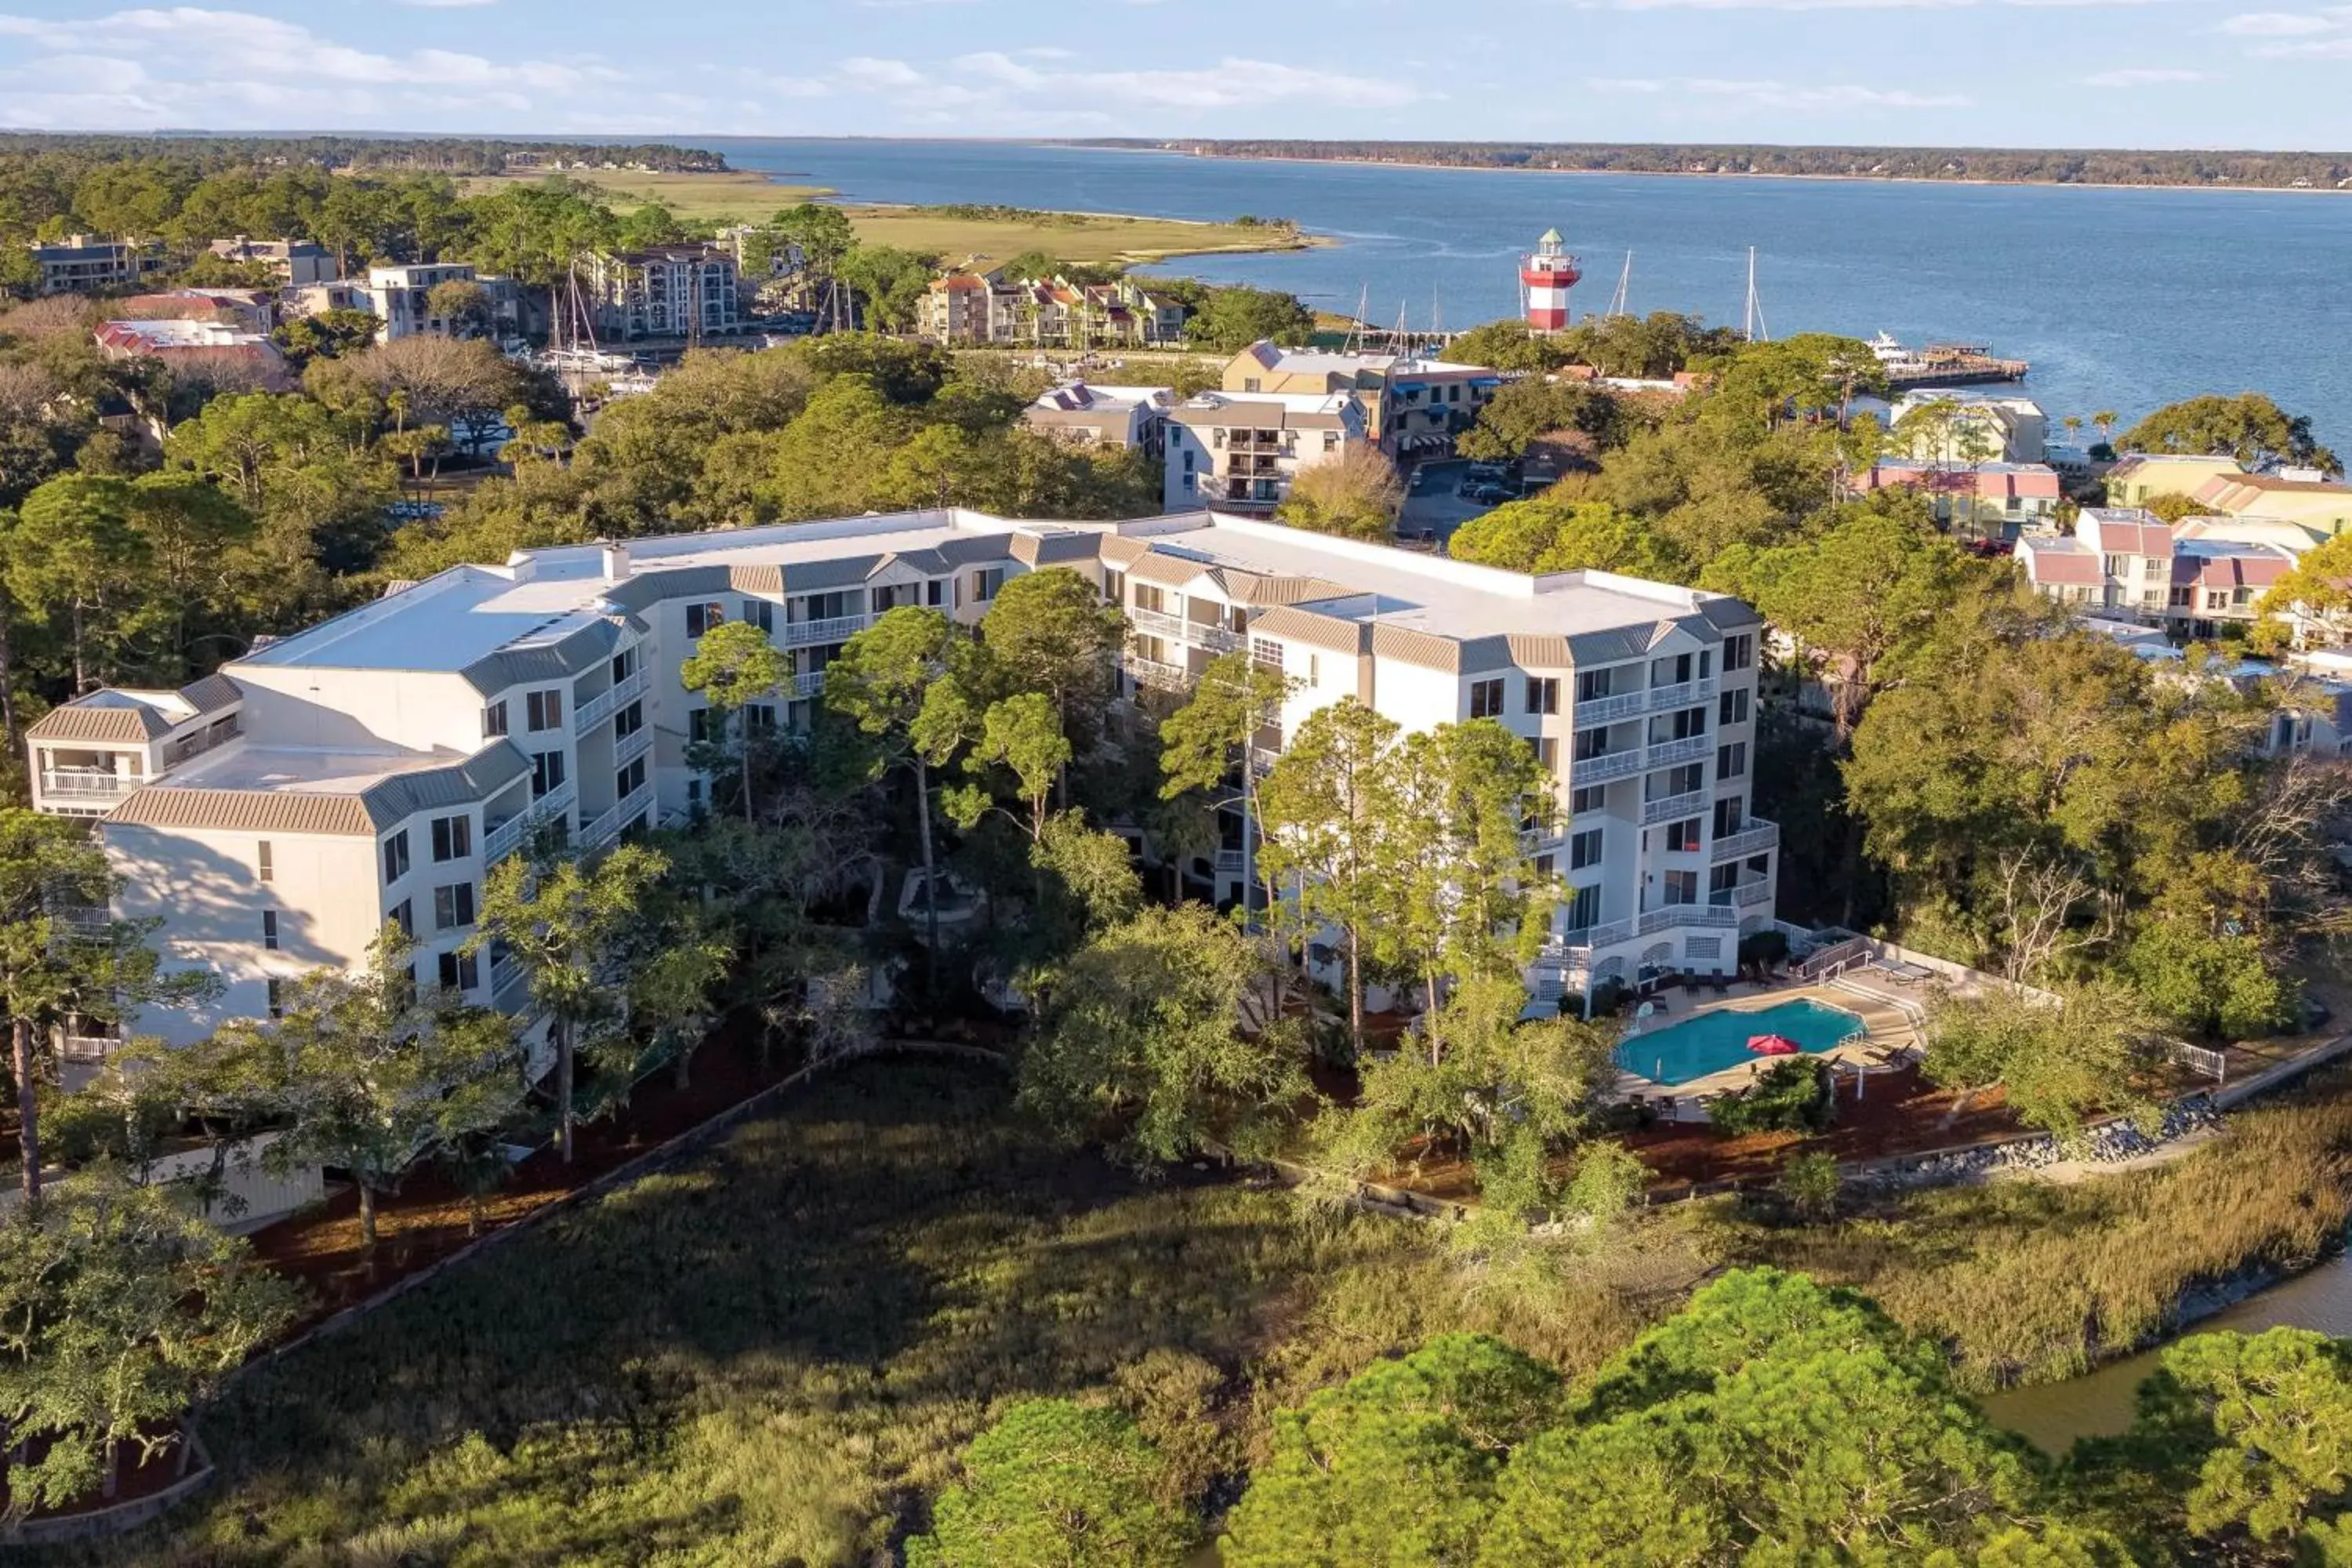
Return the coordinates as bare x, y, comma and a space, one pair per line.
1943, 365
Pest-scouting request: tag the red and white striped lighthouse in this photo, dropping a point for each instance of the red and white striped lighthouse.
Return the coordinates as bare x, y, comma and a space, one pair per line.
1545, 278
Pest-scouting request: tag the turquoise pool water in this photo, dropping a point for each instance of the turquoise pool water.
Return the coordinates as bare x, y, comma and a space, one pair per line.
1679, 1052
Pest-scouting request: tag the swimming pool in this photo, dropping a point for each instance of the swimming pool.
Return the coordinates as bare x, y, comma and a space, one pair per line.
1679, 1052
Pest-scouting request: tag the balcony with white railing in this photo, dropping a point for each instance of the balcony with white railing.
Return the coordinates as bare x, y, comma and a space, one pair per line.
1755, 838
1668, 916
1157, 622
607, 702
1591, 710
1747, 895
1689, 749
1681, 695
506, 837
1608, 765
507, 989
609, 824
1673, 807
633, 745
809, 634
808, 685
1215, 639
1579, 943
1157, 672
93, 784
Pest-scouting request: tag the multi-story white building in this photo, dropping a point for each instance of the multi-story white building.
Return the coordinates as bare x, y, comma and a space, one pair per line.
401, 296
1094, 415
83, 264
665, 291
298, 263
1240, 453
276, 815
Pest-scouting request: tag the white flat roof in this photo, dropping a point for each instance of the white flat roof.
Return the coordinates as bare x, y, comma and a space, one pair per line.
302, 769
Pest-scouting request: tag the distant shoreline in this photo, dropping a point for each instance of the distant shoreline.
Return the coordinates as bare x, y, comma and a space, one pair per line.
1212, 155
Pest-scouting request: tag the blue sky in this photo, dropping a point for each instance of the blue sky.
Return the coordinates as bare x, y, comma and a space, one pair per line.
2002, 72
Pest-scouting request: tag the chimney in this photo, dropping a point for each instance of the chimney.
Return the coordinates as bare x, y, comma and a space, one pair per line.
615, 561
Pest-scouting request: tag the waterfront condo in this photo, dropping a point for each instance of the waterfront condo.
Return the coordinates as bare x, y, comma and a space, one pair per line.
275, 815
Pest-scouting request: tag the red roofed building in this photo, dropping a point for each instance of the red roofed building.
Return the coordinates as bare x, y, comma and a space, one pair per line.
2011, 495
2128, 563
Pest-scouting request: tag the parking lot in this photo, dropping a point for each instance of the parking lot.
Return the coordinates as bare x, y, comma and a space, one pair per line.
1433, 505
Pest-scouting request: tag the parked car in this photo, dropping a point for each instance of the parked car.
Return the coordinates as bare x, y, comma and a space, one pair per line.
1490, 495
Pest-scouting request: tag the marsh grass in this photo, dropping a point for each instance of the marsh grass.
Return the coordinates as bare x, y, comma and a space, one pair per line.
2029, 1281
773, 1353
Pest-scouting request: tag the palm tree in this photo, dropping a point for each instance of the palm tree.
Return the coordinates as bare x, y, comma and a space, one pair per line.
2106, 419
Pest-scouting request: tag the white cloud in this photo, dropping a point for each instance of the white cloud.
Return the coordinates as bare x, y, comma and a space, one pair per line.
2143, 76
2276, 25
865, 71
1231, 82
2318, 49
189, 65
1782, 95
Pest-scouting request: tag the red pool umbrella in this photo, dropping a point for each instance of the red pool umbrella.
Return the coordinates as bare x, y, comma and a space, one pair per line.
1773, 1045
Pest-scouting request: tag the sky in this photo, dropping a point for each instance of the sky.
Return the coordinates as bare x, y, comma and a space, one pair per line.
2129, 73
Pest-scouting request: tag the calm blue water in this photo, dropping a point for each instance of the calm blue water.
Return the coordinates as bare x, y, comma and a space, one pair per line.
1711, 1042
2122, 299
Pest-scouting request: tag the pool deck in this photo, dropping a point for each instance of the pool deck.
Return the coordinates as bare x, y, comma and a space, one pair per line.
1888, 1011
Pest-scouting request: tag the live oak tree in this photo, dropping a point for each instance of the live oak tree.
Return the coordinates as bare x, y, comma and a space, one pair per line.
1049, 631
2056, 1064
63, 956
1354, 495
733, 666
2250, 427
119, 1310
1141, 1030
566, 922
1054, 1484
1565, 536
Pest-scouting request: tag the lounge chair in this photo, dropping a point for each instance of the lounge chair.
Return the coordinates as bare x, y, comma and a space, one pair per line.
1719, 983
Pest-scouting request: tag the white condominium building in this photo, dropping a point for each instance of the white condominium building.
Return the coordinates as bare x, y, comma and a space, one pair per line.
1241, 453
275, 816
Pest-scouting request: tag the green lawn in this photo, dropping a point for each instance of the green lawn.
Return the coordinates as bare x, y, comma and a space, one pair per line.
735, 196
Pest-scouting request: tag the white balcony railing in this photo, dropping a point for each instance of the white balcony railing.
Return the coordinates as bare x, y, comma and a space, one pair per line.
1157, 623
807, 634
633, 745
1753, 839
507, 837
1229, 860
608, 825
1673, 807
91, 784
1582, 941
1681, 695
1609, 765
1747, 895
1689, 749
1591, 710
607, 702
808, 685
1669, 916
1157, 672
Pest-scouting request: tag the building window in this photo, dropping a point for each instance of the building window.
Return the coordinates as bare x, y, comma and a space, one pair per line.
1591, 797
1671, 671
1591, 743
1672, 782
697, 725
758, 717
1486, 698
623, 662
629, 780
1729, 816
1583, 908
629, 720
986, 583
460, 972
277, 990
1683, 836
1592, 684
700, 618
1584, 849
934, 591
1738, 653
1680, 725
453, 838
1115, 587
453, 906
270, 929
760, 614
263, 870
1265, 652
1681, 888
494, 719
546, 774
404, 918
1544, 866
1547, 754
1731, 761
543, 710
1543, 694
396, 857
1732, 708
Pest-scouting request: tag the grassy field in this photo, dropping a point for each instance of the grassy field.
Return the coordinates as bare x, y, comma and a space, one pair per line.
739, 196
773, 1353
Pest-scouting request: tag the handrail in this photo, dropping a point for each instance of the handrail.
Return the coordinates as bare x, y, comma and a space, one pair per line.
1758, 836
840, 629
587, 715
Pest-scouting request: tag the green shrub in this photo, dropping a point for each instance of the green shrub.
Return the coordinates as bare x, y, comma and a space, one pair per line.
1792, 1095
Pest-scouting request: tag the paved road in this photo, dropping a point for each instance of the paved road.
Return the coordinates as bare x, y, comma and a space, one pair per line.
1434, 505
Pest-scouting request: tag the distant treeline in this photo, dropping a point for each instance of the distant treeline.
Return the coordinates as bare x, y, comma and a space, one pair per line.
2317, 171
444, 155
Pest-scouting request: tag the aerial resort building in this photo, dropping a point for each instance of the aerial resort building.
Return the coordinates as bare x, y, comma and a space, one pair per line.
275, 815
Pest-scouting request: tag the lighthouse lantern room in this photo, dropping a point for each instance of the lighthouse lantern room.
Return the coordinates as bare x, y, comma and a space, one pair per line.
1546, 276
